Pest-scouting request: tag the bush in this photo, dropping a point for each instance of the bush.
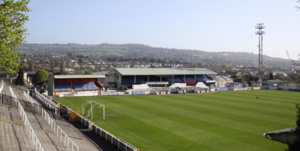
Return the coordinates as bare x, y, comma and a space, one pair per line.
20, 80
88, 72
40, 77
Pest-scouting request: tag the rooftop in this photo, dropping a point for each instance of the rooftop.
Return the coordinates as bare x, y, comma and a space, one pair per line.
77, 76
163, 71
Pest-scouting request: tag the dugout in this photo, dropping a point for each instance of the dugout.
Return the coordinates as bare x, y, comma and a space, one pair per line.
75, 85
162, 77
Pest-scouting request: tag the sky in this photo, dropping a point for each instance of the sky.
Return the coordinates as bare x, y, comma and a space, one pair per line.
208, 25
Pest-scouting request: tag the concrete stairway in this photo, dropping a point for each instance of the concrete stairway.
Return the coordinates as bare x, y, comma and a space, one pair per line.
13, 136
79, 139
48, 139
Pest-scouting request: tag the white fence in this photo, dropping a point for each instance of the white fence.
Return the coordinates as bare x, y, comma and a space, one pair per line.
47, 101
66, 138
52, 124
50, 121
29, 129
109, 137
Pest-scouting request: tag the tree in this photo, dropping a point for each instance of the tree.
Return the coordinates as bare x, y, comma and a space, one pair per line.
12, 33
271, 76
62, 65
81, 66
298, 77
224, 66
88, 72
42, 61
230, 68
278, 76
40, 77
31, 63
80, 60
53, 67
20, 78
56, 62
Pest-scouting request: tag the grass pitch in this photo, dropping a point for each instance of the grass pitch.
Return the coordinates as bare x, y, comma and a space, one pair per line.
224, 121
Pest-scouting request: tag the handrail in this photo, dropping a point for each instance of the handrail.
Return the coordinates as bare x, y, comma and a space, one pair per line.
29, 129
51, 122
53, 125
67, 139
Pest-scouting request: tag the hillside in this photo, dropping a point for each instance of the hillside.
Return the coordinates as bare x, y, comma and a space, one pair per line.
148, 52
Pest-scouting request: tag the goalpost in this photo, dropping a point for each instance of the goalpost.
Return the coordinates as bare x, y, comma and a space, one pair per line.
93, 105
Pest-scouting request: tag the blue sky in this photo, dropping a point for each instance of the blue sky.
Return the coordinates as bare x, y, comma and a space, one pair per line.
211, 25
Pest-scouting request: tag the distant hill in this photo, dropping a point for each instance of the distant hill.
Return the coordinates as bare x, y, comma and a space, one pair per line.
148, 52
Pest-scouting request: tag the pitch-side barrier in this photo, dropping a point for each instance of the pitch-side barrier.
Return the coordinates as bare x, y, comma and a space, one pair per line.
122, 145
67, 140
36, 142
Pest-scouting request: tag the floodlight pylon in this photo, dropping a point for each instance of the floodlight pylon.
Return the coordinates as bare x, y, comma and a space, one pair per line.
260, 33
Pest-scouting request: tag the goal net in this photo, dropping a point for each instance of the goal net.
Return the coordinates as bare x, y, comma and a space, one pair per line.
90, 107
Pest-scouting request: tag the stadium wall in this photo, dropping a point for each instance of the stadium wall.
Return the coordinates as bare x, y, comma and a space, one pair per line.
283, 88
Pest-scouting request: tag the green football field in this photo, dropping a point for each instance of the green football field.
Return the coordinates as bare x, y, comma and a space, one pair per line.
231, 121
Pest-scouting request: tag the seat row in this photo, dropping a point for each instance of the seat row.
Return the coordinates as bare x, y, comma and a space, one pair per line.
76, 86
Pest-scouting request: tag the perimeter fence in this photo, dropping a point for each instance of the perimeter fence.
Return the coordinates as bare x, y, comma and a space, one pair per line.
21, 106
65, 112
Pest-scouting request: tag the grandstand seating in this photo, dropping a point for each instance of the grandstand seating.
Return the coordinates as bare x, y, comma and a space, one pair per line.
129, 80
85, 86
187, 78
202, 78
62, 87
176, 79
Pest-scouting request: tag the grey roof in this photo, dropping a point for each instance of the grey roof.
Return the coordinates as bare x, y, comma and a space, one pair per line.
163, 71
282, 131
273, 81
227, 78
77, 76
285, 136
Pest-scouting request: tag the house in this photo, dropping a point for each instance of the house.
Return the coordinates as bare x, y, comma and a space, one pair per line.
222, 80
280, 72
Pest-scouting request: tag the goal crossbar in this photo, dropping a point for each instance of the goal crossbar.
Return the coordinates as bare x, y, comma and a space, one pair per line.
100, 105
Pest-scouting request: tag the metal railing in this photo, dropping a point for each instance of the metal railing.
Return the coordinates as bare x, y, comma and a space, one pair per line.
47, 103
50, 121
57, 129
29, 129
109, 137
66, 138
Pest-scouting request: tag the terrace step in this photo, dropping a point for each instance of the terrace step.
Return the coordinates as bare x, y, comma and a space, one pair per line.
12, 136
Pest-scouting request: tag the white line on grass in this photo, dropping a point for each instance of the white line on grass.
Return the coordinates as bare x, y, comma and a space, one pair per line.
122, 128
135, 135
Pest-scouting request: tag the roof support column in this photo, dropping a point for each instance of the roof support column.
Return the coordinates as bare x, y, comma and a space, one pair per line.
173, 79
134, 78
71, 84
160, 78
184, 78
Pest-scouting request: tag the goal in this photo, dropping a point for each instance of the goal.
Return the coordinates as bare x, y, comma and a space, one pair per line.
89, 107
